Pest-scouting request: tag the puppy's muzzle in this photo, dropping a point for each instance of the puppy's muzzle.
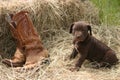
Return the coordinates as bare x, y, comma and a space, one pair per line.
79, 36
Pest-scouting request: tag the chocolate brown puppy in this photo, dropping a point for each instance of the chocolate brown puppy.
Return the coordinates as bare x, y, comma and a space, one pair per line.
89, 47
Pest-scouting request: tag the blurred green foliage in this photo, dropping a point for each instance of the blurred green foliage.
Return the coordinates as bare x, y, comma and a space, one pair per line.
109, 11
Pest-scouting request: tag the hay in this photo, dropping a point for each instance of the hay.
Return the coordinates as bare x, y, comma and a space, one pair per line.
52, 19
48, 16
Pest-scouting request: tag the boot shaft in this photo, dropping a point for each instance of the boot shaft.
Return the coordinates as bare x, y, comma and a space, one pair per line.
25, 27
23, 31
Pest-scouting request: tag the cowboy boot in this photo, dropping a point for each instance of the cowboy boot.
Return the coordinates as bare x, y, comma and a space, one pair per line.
28, 39
33, 48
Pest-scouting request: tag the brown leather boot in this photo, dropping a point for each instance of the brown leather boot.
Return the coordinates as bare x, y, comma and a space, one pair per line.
27, 39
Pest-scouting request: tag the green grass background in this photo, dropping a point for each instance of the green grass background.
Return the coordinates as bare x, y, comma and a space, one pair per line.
109, 11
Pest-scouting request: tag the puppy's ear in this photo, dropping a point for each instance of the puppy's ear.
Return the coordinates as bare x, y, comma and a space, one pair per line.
71, 28
89, 28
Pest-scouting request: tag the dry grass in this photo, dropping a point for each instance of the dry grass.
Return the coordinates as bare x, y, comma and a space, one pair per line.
52, 19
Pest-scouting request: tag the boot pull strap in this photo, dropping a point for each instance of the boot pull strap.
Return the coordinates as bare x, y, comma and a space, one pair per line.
8, 18
12, 26
12, 23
